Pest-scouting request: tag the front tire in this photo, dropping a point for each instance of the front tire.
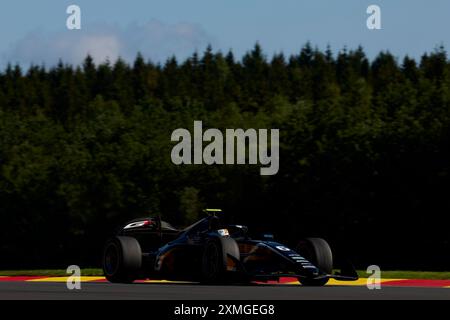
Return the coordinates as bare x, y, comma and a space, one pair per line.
213, 269
318, 252
215, 260
122, 259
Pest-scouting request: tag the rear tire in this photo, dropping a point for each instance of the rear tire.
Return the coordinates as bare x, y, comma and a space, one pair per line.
122, 260
318, 252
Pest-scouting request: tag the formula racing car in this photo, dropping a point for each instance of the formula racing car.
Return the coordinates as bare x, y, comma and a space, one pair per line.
210, 251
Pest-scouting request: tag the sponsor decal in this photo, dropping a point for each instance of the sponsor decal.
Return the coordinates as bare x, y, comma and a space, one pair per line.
283, 248
137, 224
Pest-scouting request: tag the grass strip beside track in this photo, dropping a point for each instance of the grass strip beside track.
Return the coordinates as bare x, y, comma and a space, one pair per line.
49, 273
426, 275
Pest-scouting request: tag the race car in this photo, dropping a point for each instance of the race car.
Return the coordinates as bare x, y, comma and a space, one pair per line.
211, 251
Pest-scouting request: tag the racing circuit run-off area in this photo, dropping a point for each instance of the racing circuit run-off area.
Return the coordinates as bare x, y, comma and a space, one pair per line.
97, 288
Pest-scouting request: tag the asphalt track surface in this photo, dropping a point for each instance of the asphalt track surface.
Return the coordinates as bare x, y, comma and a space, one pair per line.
150, 291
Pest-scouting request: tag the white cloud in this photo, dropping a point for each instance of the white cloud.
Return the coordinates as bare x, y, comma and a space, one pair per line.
154, 39
100, 47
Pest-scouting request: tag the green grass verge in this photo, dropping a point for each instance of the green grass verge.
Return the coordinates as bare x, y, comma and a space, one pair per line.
428, 275
361, 273
50, 273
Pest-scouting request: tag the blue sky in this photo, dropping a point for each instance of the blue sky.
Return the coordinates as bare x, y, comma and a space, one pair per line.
36, 31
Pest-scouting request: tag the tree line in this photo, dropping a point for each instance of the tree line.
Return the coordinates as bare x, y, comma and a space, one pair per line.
364, 152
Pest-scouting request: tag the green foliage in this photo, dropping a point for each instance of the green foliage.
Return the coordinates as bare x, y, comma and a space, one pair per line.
83, 149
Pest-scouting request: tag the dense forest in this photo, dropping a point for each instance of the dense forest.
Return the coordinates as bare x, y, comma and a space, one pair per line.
364, 152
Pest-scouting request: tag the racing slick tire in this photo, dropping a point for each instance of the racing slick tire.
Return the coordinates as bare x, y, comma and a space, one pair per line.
318, 252
122, 259
215, 259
